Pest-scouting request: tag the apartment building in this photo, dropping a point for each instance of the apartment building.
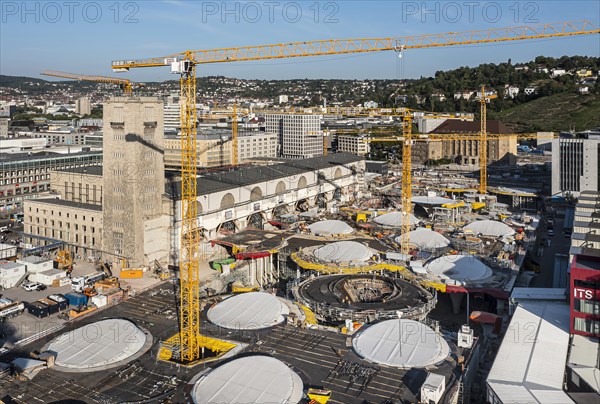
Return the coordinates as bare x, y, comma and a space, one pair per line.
353, 144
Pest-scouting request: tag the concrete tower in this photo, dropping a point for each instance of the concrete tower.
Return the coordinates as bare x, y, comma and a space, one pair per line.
134, 178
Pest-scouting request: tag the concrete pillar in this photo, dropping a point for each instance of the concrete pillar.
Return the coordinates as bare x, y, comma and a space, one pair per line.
456, 299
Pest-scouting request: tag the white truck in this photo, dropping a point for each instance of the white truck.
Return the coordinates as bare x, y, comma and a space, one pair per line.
9, 309
79, 283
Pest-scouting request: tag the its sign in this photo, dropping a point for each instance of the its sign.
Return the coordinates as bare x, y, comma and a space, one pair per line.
586, 294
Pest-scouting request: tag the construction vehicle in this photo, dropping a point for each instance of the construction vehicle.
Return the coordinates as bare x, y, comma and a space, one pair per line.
184, 64
124, 84
318, 396
64, 261
10, 308
80, 283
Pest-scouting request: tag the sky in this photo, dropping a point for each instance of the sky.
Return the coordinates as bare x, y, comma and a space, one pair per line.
85, 36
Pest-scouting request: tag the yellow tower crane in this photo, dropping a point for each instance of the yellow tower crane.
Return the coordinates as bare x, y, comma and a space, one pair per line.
184, 64
234, 137
483, 100
125, 84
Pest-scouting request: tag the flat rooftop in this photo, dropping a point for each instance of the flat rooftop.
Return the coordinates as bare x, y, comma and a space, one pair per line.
245, 176
585, 263
43, 155
70, 204
530, 364
91, 170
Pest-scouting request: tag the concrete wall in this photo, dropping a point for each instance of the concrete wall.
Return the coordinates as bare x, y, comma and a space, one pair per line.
81, 228
77, 187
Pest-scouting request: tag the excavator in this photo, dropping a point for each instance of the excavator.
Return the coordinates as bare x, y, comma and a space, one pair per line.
64, 261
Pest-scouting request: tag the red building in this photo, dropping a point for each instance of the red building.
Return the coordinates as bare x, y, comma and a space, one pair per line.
585, 296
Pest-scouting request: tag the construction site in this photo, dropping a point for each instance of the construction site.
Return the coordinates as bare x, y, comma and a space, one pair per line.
283, 280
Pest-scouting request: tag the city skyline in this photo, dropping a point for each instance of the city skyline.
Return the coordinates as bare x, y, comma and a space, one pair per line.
164, 27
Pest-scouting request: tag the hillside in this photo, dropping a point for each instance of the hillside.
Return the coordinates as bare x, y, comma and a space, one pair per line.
557, 112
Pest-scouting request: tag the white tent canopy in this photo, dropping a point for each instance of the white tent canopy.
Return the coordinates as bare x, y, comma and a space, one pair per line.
98, 344
251, 379
249, 311
490, 228
401, 343
431, 200
394, 219
426, 239
458, 269
343, 251
330, 227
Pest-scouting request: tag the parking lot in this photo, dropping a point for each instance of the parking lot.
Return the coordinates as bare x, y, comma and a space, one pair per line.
27, 325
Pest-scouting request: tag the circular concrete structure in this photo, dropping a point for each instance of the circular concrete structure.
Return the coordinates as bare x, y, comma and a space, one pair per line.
249, 380
98, 346
394, 219
327, 227
459, 269
345, 251
490, 228
338, 297
402, 343
426, 239
249, 311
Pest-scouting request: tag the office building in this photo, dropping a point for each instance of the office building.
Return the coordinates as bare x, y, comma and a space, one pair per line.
353, 144
585, 296
575, 166
257, 145
83, 106
26, 175
172, 116
299, 135
467, 151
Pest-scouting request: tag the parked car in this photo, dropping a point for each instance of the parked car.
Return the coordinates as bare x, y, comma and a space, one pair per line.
33, 286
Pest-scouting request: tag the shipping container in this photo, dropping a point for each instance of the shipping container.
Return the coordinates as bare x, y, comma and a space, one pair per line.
76, 299
115, 297
99, 300
131, 274
60, 299
7, 251
52, 305
38, 309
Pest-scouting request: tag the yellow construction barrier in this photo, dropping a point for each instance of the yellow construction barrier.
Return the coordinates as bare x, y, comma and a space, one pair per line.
345, 270
440, 287
311, 317
477, 205
318, 396
453, 205
215, 345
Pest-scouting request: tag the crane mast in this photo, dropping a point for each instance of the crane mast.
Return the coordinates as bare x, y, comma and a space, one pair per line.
185, 63
483, 140
189, 282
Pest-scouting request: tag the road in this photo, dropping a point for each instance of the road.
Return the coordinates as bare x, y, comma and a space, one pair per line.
553, 266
